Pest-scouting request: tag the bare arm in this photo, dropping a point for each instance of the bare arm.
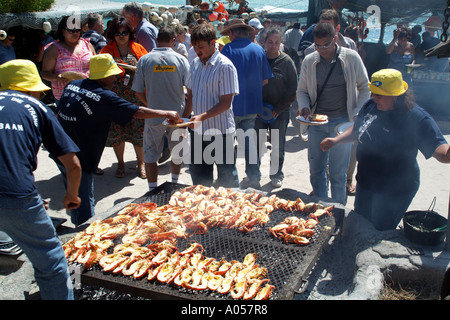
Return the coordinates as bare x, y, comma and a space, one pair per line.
442, 153
141, 96
188, 108
49, 63
144, 113
391, 46
346, 137
73, 173
413, 53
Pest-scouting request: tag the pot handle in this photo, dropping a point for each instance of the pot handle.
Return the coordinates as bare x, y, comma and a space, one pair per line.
433, 203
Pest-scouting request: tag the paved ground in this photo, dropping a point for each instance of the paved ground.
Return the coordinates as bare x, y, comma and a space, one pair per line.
16, 272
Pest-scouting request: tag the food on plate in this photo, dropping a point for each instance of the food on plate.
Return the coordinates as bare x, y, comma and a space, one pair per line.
318, 117
173, 122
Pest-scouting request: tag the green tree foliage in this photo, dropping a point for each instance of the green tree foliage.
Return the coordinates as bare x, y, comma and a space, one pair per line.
20, 6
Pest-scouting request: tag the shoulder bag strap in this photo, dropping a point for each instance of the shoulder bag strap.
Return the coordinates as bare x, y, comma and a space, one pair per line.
314, 106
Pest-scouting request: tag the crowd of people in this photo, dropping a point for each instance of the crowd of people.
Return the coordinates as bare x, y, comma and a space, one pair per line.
106, 83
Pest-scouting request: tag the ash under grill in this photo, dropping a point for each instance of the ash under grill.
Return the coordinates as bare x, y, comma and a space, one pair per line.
288, 264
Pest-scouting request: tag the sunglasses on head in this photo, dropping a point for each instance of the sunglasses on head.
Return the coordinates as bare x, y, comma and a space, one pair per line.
123, 34
73, 31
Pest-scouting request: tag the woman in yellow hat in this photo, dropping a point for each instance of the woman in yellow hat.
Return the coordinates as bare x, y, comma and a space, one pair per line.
390, 130
86, 110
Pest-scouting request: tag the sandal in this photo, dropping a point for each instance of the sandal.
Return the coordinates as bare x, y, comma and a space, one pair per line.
99, 172
120, 172
142, 173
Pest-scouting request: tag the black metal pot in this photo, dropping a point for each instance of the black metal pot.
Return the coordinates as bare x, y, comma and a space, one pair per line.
425, 227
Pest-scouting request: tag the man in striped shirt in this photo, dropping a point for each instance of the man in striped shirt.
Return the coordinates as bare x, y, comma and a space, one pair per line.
211, 86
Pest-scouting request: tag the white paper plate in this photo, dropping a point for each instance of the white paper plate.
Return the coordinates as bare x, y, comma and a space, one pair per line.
311, 123
340, 128
185, 123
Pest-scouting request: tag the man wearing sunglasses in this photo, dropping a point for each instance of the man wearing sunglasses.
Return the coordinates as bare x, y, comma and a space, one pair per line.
333, 82
7, 52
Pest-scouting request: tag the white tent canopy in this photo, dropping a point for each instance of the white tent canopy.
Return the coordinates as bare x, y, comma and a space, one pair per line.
61, 8
280, 14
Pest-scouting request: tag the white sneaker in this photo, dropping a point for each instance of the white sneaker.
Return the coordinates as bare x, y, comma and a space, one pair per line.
276, 183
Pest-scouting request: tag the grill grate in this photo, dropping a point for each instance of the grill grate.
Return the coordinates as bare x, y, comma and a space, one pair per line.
288, 264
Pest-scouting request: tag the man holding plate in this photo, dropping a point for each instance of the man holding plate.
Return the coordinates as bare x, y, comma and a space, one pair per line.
333, 82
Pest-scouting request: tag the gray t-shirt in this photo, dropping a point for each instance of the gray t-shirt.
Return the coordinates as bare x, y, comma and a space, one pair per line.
162, 75
333, 101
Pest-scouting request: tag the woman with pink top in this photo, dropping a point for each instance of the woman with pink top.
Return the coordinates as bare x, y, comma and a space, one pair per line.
67, 58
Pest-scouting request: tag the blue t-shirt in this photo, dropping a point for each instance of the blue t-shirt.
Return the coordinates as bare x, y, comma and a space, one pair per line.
6, 54
388, 143
252, 67
26, 123
86, 111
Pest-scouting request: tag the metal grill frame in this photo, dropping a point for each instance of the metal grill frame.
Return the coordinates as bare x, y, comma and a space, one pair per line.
288, 264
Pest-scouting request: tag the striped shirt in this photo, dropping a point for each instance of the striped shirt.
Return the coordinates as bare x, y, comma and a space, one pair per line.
208, 81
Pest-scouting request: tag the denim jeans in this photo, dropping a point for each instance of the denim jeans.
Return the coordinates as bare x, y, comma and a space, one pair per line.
26, 221
278, 141
201, 167
245, 125
86, 193
337, 159
384, 210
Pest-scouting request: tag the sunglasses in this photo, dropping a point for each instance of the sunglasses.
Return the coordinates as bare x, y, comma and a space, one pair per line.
73, 31
121, 34
325, 46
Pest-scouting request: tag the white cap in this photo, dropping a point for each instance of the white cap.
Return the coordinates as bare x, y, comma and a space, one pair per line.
256, 23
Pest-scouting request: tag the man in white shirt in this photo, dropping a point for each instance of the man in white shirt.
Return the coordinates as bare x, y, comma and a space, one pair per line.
212, 84
343, 95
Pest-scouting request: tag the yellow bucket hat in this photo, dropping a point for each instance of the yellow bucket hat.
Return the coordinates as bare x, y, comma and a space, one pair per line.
388, 82
102, 66
21, 75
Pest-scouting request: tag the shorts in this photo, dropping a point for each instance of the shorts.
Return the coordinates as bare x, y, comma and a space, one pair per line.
154, 142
